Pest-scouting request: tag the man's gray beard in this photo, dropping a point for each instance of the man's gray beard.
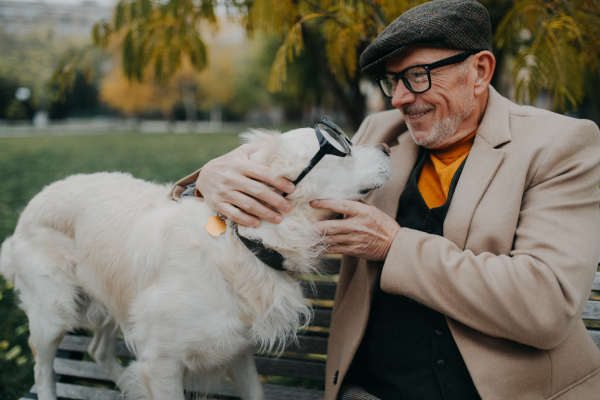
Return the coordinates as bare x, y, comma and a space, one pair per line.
446, 127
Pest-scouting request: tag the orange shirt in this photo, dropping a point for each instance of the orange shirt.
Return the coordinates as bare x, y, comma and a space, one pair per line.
440, 167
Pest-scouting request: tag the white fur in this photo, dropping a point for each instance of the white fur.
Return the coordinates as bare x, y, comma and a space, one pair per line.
109, 252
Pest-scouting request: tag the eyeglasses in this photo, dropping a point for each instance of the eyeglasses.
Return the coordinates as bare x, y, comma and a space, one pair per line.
332, 140
417, 78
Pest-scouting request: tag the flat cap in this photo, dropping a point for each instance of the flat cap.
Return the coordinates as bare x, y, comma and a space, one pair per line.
452, 24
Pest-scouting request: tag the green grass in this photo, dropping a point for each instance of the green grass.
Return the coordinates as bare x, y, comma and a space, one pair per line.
29, 164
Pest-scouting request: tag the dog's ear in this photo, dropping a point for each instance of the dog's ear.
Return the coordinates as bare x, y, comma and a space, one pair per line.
286, 158
270, 140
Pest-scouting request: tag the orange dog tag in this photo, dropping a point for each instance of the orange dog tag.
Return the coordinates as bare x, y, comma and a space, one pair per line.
215, 226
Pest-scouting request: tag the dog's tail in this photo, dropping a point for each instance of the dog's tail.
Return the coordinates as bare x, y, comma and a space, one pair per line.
7, 267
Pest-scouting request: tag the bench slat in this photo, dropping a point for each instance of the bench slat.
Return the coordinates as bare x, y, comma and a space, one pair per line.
306, 344
591, 310
80, 369
596, 285
81, 343
324, 290
69, 391
292, 368
90, 370
226, 388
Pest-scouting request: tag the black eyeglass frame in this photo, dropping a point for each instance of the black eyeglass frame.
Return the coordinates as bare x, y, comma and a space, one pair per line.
325, 147
455, 59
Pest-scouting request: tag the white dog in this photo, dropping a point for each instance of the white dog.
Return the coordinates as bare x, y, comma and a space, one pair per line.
109, 252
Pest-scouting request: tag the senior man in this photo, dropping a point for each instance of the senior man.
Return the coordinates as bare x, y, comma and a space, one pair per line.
466, 275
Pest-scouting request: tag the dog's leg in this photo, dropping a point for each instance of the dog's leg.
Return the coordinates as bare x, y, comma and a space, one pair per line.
243, 372
102, 349
156, 379
44, 345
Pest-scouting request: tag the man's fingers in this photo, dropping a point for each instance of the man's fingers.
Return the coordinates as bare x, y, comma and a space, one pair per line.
262, 173
333, 227
256, 190
236, 215
253, 207
347, 207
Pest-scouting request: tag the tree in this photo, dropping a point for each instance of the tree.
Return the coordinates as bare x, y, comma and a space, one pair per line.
556, 46
334, 33
187, 87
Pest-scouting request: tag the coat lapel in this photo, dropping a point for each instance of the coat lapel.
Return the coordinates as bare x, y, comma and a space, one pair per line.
481, 166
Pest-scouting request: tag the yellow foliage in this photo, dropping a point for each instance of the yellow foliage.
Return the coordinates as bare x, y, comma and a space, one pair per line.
345, 25
557, 45
213, 85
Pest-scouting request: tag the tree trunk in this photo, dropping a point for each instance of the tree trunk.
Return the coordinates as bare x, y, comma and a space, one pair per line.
349, 100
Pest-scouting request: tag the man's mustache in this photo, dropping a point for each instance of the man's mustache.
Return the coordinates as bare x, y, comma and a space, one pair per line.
415, 109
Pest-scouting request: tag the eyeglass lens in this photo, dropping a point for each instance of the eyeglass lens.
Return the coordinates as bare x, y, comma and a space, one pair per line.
334, 138
417, 80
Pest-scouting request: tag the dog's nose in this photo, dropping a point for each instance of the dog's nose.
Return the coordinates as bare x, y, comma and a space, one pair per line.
385, 148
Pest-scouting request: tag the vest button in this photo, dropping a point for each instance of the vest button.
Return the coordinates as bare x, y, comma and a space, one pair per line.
440, 363
439, 332
429, 227
335, 377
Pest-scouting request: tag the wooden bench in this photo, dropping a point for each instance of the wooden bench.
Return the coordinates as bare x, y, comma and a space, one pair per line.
78, 377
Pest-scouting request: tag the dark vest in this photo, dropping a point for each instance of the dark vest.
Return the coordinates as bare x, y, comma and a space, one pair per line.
408, 352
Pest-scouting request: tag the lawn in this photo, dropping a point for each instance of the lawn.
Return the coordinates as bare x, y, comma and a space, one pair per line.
29, 164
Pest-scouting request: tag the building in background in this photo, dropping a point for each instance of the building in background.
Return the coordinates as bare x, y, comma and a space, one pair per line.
63, 20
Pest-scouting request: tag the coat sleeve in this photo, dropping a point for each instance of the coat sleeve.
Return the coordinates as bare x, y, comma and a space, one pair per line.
535, 294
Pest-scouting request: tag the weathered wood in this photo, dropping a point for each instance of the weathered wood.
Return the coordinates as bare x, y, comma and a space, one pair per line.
80, 344
292, 368
69, 391
226, 388
80, 369
90, 370
591, 310
596, 285
306, 344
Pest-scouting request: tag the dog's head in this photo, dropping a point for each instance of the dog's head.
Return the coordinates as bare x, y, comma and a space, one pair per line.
348, 178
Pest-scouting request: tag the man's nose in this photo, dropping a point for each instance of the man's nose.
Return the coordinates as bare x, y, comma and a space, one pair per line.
402, 96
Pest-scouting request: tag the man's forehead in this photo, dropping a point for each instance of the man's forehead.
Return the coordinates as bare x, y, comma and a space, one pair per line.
417, 55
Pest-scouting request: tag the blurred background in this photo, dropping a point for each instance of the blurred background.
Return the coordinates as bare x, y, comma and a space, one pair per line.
159, 87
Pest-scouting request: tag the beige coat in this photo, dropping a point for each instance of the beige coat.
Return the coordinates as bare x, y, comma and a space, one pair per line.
515, 267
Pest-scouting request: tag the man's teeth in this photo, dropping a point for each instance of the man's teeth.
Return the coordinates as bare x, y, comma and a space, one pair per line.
418, 115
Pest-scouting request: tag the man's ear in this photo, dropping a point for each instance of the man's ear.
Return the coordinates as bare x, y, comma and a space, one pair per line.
485, 63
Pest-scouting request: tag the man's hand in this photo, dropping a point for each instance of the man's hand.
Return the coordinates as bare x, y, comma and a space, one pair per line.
365, 232
232, 183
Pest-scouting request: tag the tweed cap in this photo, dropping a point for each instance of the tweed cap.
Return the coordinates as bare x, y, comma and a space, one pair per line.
452, 24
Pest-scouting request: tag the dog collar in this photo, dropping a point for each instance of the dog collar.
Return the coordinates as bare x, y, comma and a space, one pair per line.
269, 256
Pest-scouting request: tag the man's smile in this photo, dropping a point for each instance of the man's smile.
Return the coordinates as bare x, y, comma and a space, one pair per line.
415, 116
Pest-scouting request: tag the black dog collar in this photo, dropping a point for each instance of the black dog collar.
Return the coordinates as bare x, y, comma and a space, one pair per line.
269, 256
